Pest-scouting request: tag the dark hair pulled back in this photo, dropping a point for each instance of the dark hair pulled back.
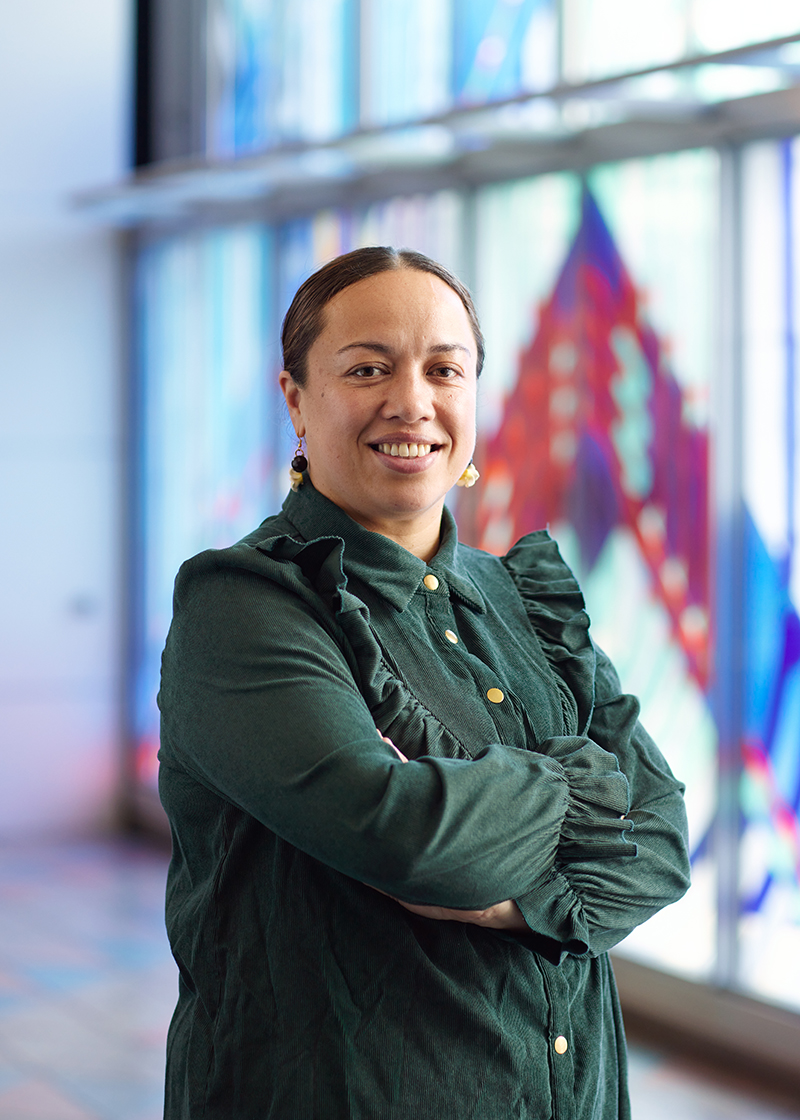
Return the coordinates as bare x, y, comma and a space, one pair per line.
304, 321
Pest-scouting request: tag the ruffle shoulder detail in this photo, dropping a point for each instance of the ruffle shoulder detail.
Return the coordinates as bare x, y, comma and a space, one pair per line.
556, 609
315, 570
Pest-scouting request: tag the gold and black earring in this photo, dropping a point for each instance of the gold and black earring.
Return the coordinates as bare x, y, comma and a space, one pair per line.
299, 464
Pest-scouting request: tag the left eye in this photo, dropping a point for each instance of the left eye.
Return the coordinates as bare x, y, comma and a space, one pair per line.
445, 372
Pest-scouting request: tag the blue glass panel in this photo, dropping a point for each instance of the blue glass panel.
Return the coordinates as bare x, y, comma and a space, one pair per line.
770, 793
206, 408
279, 72
405, 59
502, 47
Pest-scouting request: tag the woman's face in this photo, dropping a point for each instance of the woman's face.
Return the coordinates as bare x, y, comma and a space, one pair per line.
388, 409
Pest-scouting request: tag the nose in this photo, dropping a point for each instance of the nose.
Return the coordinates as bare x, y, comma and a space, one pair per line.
409, 397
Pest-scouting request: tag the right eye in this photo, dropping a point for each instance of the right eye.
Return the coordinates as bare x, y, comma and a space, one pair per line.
368, 373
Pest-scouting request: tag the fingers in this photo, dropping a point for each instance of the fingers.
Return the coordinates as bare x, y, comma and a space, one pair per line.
504, 915
386, 739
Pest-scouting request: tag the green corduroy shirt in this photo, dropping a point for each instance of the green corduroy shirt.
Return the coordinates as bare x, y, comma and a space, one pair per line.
305, 994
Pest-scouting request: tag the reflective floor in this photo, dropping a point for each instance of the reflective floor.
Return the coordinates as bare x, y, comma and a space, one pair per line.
87, 987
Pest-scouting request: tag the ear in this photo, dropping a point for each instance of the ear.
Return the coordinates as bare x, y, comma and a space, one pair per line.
293, 394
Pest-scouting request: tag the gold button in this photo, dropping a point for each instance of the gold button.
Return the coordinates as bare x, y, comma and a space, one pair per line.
451, 637
495, 695
561, 1045
431, 582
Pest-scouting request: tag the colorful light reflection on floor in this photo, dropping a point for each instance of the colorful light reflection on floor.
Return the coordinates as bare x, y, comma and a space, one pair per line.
87, 986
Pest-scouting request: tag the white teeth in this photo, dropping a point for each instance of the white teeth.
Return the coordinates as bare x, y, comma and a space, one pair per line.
405, 450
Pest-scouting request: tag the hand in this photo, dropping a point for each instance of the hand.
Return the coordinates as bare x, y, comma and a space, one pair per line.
503, 915
386, 739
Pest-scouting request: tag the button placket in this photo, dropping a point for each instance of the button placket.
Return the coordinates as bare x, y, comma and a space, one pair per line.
432, 583
498, 704
557, 989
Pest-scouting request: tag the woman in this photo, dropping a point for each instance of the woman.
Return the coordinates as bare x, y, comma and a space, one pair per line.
411, 809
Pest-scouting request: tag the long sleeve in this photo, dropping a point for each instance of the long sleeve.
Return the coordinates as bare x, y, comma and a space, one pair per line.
260, 703
590, 898
595, 902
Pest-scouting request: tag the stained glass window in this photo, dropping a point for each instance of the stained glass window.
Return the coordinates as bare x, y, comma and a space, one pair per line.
502, 47
406, 50
717, 25
313, 70
205, 441
214, 437
598, 297
769, 928
242, 72
662, 215
279, 72
617, 36
605, 37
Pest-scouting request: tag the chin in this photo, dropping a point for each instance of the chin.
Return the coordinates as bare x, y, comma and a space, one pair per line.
408, 510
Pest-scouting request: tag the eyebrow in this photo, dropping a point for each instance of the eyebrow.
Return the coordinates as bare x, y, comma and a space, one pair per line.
382, 348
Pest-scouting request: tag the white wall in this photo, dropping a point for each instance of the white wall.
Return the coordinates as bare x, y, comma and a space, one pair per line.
64, 126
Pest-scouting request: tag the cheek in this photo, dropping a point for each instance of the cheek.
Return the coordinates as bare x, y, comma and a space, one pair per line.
330, 426
465, 417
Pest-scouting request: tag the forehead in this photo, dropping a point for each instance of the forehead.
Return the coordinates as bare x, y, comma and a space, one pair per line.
402, 301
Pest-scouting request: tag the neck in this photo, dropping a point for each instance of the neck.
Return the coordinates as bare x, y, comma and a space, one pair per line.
419, 536
421, 545
418, 532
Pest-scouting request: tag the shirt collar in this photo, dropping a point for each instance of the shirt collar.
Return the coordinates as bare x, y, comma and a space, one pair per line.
387, 567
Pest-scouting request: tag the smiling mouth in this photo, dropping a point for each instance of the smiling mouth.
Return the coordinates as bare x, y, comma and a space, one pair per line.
405, 450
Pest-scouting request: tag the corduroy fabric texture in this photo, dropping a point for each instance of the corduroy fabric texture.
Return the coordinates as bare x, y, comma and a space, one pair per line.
304, 993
